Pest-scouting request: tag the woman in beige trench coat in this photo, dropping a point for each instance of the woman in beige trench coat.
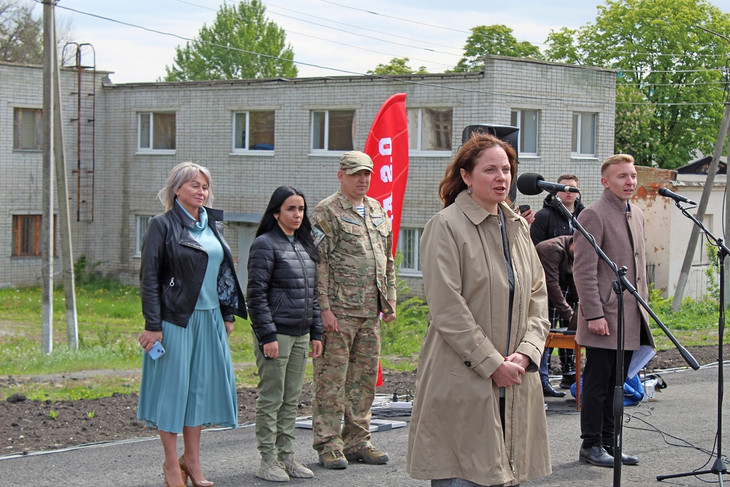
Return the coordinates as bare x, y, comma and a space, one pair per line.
478, 415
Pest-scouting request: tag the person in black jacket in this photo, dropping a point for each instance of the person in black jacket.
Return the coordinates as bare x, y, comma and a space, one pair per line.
285, 316
550, 222
190, 293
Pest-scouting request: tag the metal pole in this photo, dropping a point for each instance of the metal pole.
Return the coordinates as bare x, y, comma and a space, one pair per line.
48, 197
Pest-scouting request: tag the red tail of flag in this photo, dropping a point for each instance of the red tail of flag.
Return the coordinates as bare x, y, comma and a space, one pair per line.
387, 146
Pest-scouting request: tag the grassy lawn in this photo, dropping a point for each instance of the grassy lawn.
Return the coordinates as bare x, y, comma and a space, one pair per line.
110, 320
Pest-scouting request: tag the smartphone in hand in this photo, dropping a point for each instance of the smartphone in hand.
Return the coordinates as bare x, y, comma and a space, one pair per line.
156, 351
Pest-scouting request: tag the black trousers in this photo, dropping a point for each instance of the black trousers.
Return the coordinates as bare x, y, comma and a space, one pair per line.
599, 381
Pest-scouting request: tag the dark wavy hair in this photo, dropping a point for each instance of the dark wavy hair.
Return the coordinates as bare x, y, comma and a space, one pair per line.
452, 184
303, 233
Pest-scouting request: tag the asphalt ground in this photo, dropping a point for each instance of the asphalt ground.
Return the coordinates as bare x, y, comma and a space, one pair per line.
673, 434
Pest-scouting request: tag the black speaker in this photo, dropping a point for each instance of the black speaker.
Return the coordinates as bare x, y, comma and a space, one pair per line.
506, 133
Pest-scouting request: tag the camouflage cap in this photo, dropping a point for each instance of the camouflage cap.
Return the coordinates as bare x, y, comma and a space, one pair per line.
354, 161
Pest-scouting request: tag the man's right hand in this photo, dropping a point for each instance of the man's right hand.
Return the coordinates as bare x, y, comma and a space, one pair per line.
329, 320
599, 326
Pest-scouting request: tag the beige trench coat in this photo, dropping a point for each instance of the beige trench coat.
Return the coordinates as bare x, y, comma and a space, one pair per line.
455, 430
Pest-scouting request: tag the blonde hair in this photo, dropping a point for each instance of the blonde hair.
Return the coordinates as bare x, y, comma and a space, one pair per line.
179, 175
616, 159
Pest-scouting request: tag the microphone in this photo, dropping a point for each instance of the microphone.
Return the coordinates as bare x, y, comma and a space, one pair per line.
531, 183
676, 197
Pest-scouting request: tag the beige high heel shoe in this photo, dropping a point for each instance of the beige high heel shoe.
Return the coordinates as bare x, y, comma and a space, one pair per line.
184, 478
196, 483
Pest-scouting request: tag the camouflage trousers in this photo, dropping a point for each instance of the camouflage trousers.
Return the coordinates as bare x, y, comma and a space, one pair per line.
344, 384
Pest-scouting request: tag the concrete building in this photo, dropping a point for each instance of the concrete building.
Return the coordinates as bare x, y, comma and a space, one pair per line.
254, 135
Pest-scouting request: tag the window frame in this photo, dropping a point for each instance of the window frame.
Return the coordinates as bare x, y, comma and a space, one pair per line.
403, 240
141, 224
246, 135
415, 144
576, 134
37, 143
518, 119
18, 237
150, 142
326, 131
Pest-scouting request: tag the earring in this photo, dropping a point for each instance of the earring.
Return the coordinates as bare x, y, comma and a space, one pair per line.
468, 190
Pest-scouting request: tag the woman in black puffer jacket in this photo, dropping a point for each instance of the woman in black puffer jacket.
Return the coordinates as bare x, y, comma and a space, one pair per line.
282, 304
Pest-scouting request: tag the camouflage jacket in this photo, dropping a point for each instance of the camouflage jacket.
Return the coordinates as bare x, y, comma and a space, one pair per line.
357, 272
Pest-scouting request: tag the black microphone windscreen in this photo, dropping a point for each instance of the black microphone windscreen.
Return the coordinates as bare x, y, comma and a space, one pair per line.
664, 192
527, 183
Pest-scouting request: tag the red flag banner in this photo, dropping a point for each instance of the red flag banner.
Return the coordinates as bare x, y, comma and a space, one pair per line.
387, 146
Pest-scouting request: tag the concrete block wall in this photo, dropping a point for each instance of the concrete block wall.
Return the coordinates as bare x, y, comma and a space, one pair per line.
127, 181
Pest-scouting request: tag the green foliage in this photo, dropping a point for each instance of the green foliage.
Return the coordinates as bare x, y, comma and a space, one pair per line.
53, 414
396, 66
494, 39
634, 116
91, 414
21, 34
661, 53
696, 322
242, 43
713, 288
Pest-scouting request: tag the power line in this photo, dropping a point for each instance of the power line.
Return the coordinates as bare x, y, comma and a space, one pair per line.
359, 27
397, 18
289, 31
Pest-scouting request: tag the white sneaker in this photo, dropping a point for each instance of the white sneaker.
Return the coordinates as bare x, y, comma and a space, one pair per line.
295, 468
272, 471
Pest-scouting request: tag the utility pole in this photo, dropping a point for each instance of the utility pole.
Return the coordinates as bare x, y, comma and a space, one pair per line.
54, 163
59, 157
706, 192
47, 240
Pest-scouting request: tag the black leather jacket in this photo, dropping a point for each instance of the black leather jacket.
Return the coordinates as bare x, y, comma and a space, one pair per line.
173, 267
282, 288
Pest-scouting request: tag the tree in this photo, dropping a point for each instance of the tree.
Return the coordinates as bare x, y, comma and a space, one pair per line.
397, 65
21, 35
669, 71
241, 43
493, 39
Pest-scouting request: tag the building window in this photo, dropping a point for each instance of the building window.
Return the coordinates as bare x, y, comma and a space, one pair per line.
584, 134
429, 129
409, 244
332, 130
142, 224
253, 131
27, 129
27, 235
156, 131
526, 121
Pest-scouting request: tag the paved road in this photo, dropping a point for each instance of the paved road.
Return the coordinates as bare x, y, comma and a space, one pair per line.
661, 433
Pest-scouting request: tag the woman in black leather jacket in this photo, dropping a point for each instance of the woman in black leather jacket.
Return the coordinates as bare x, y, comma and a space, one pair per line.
189, 295
282, 301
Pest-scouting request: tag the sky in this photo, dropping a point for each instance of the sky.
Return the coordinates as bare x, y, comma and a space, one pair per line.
136, 39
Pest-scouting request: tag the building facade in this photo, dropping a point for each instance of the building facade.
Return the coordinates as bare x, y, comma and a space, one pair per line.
255, 135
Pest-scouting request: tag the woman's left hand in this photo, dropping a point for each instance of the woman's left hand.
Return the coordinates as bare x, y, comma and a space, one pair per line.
508, 374
229, 327
316, 348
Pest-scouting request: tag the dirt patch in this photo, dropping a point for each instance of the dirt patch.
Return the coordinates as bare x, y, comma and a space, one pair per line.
27, 426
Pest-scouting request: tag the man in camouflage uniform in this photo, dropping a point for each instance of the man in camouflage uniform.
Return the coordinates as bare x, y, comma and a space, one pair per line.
356, 282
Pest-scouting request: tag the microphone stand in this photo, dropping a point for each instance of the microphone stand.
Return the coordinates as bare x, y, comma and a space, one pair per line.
619, 286
718, 468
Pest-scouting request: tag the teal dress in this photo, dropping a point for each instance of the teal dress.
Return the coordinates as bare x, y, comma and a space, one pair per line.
192, 384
